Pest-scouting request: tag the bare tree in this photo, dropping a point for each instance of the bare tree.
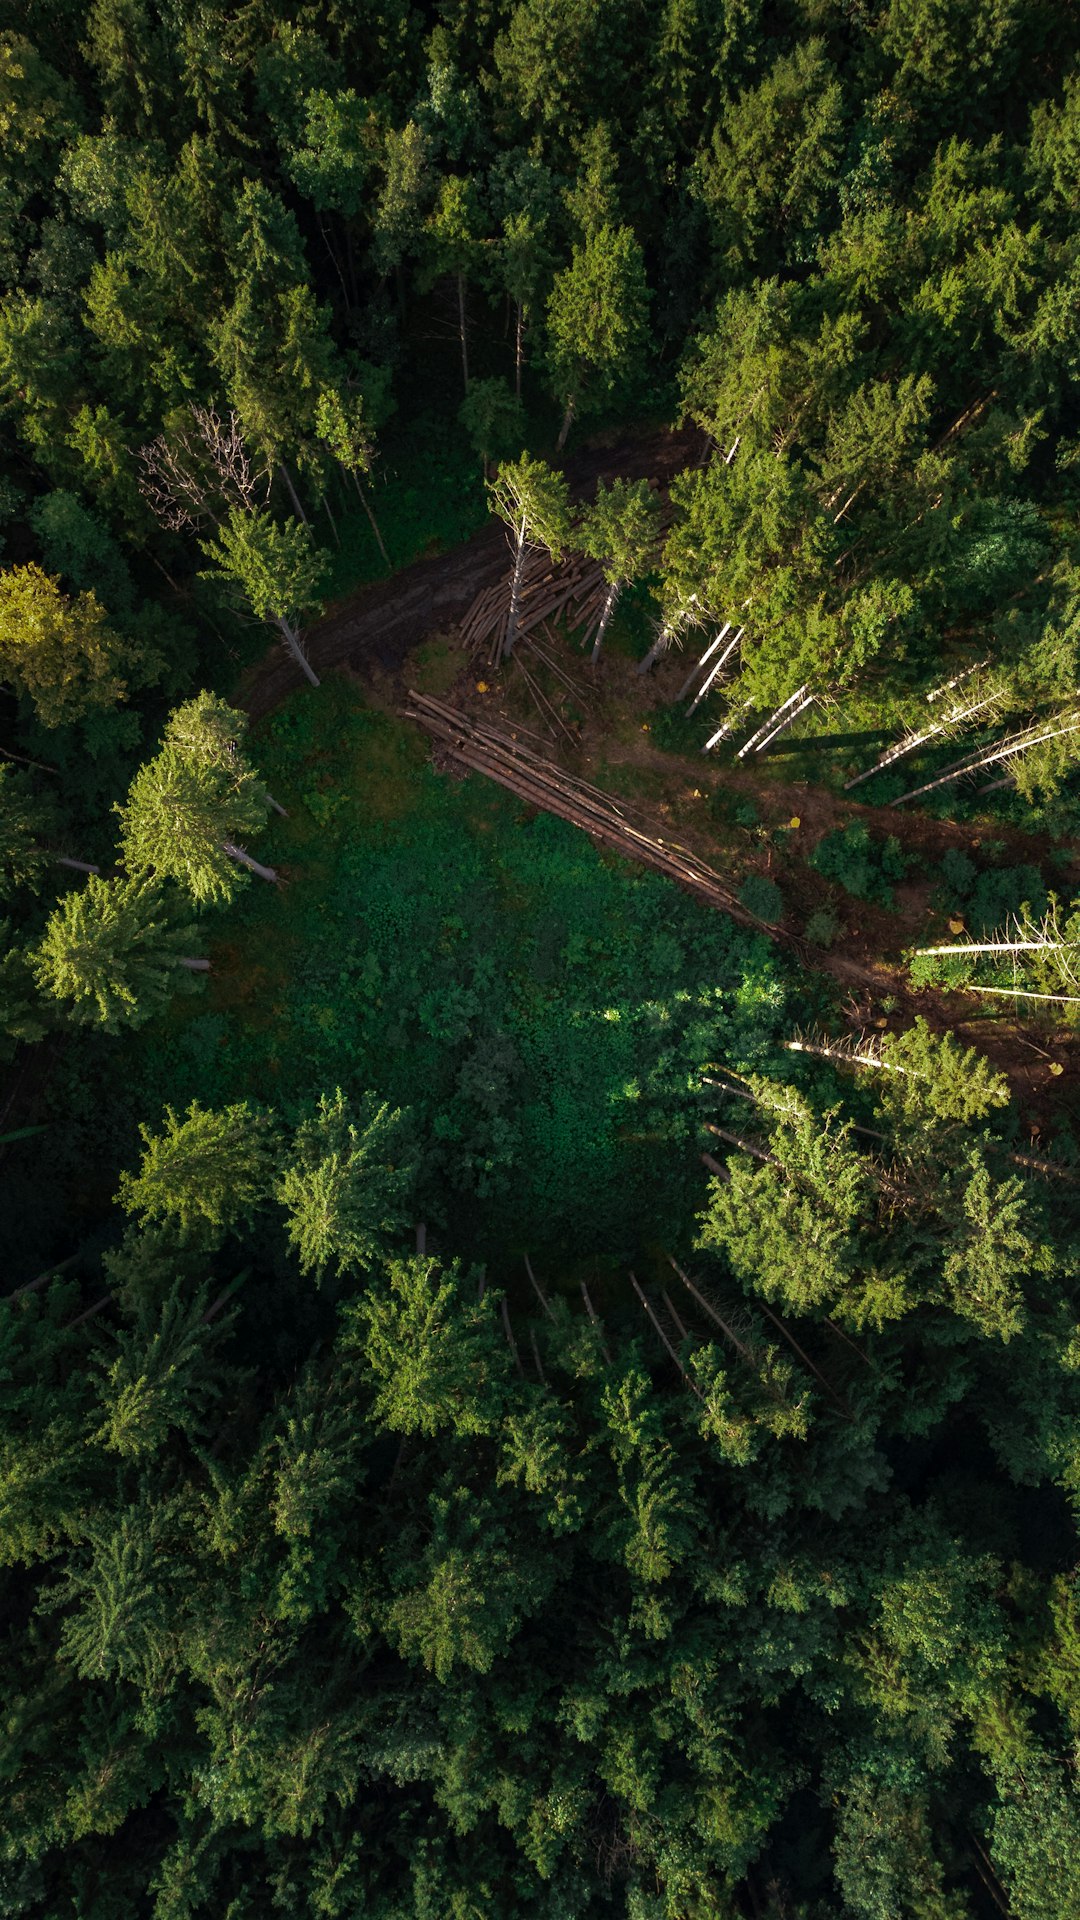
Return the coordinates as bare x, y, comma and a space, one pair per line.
198, 473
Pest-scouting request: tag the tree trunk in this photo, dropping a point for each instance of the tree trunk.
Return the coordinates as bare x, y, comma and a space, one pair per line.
515, 596
277, 806
293, 495
519, 347
609, 608
370, 511
25, 761
194, 966
79, 866
660, 645
245, 860
565, 428
329, 512
461, 325
350, 260
293, 645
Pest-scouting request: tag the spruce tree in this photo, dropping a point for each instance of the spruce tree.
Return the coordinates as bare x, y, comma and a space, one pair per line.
596, 316
182, 821
345, 1183
113, 953
621, 531
276, 568
207, 1168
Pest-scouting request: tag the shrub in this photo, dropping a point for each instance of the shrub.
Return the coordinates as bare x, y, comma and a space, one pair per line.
860, 862
762, 897
822, 927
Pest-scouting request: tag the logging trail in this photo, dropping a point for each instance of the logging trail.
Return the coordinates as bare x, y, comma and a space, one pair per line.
645, 803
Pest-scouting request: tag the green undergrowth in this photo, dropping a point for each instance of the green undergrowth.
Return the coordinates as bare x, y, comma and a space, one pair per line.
427, 496
545, 1012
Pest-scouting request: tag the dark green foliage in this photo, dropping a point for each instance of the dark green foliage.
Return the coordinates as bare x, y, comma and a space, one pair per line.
762, 897
347, 1573
991, 896
862, 863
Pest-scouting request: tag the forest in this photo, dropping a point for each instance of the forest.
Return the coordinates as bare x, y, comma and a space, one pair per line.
539, 959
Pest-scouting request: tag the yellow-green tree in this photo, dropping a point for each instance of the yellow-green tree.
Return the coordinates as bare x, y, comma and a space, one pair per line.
58, 650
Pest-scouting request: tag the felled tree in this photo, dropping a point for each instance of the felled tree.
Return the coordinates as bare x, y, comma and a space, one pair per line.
596, 317
182, 820
620, 530
533, 501
206, 1169
113, 955
276, 568
60, 653
345, 1183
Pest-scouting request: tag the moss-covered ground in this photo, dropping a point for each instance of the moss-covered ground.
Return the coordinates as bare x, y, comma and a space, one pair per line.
544, 1011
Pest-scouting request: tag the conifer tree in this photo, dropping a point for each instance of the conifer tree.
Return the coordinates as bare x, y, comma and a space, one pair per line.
343, 426
182, 821
208, 1168
277, 570
493, 419
22, 1016
25, 822
596, 316
344, 1184
113, 954
620, 530
532, 500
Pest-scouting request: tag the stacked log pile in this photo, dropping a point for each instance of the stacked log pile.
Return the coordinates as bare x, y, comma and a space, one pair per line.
485, 749
574, 591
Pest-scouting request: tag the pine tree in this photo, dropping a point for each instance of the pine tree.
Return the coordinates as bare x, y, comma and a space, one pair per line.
621, 531
532, 500
182, 821
276, 568
113, 954
212, 1168
345, 1183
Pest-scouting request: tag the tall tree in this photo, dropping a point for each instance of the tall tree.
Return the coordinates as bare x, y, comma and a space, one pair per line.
206, 1169
183, 819
343, 425
494, 420
532, 500
277, 569
344, 1184
113, 954
621, 530
596, 316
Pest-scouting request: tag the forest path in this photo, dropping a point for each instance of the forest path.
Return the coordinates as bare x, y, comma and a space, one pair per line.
375, 630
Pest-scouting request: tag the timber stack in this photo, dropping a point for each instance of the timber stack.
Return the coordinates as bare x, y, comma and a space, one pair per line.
488, 750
